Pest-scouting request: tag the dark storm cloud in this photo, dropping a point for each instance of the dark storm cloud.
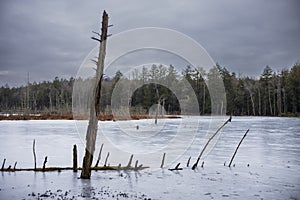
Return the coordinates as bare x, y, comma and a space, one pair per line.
51, 38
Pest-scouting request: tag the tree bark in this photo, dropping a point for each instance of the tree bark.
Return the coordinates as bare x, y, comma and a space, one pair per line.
95, 102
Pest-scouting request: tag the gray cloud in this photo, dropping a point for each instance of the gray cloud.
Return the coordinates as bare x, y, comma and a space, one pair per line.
51, 38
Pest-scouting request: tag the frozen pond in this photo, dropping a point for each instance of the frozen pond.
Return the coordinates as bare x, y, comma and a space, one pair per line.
271, 148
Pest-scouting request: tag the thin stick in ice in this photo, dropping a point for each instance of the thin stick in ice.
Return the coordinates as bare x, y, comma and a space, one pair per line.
209, 140
238, 147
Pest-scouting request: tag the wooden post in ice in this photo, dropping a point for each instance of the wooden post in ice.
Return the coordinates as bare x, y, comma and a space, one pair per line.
163, 161
34, 155
95, 103
44, 164
99, 156
75, 166
15, 165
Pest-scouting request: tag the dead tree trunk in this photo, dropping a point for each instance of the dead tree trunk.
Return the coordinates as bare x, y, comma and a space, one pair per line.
75, 166
95, 102
44, 164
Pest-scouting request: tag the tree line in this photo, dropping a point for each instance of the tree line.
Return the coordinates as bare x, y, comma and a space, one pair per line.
270, 94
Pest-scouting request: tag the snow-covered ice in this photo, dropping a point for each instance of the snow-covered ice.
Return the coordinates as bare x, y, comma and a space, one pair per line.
271, 148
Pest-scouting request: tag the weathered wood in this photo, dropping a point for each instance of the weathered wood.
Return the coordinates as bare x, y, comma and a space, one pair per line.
34, 155
44, 164
238, 147
15, 165
95, 104
75, 162
3, 164
176, 168
209, 140
130, 161
59, 169
106, 159
188, 162
163, 161
99, 156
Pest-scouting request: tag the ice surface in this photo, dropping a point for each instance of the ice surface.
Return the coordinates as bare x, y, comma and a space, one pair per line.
271, 148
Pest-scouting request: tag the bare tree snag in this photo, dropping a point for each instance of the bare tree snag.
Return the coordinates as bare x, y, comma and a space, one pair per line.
75, 163
238, 147
163, 161
209, 140
44, 164
95, 102
34, 155
99, 156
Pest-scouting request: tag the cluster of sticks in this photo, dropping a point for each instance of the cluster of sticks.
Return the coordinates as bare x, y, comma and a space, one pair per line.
204, 148
75, 167
119, 167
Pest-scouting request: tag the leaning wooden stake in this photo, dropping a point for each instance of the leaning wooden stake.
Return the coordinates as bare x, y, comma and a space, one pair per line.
99, 156
34, 155
3, 164
75, 163
209, 140
238, 147
15, 165
95, 103
136, 164
188, 162
163, 161
106, 159
130, 161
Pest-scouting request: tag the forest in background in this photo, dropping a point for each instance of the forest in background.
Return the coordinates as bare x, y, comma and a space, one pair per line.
271, 94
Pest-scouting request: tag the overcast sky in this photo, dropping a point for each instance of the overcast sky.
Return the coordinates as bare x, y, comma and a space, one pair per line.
51, 37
